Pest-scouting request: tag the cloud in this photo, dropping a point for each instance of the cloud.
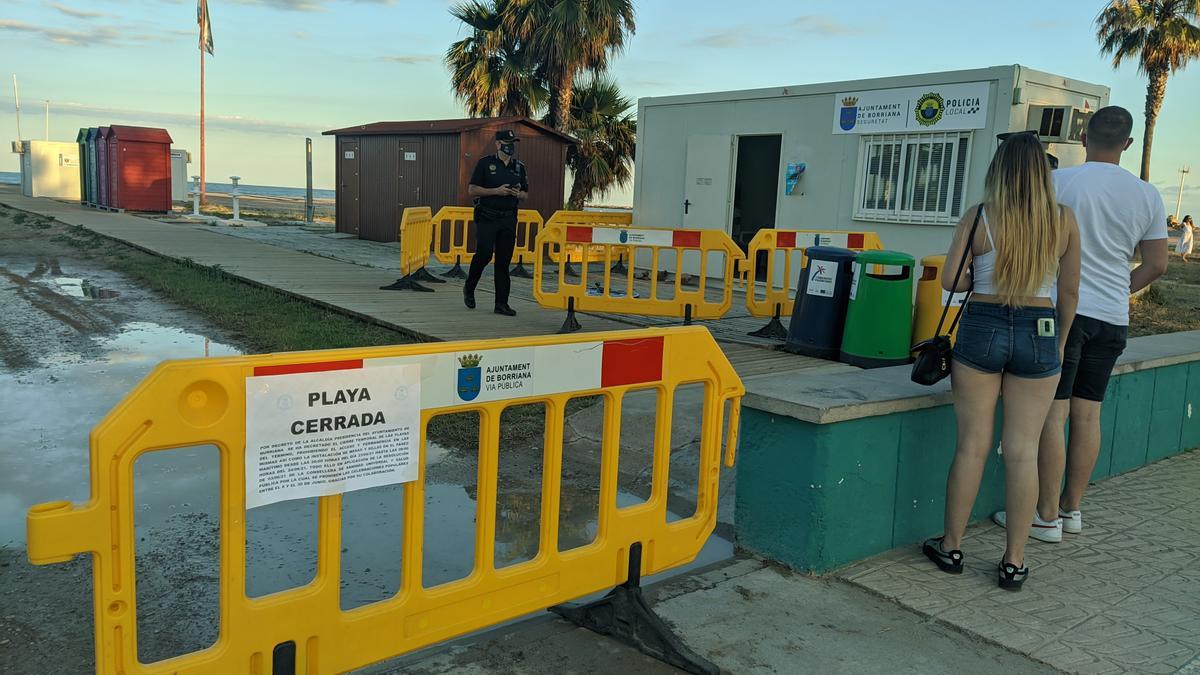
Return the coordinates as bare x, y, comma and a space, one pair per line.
1050, 24
304, 5
409, 59
92, 37
109, 115
817, 24
72, 12
301, 35
747, 35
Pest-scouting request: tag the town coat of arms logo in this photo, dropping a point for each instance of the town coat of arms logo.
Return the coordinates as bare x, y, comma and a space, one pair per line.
469, 376
849, 116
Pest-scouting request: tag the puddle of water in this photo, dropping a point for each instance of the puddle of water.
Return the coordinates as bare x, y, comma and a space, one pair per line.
82, 288
49, 411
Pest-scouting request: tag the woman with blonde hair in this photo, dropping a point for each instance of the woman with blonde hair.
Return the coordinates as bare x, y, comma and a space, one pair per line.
1020, 243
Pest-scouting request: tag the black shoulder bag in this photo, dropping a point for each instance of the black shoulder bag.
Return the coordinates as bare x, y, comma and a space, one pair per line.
932, 364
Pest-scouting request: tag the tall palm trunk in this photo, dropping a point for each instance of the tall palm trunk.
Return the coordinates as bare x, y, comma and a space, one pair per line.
579, 193
559, 113
1156, 90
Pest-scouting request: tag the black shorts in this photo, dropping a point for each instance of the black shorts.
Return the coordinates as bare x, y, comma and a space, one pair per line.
1093, 348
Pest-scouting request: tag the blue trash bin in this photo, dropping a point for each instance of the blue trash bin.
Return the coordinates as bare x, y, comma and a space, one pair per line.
819, 313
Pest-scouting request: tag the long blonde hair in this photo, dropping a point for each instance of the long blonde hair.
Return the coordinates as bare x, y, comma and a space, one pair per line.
1024, 218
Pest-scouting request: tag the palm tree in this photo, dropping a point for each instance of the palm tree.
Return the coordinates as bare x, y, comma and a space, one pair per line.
568, 37
1161, 36
607, 133
492, 72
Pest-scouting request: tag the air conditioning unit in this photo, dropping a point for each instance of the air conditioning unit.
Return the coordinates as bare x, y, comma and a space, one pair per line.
18, 147
1058, 123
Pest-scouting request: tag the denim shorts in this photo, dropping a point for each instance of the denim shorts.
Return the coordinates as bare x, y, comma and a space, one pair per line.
999, 339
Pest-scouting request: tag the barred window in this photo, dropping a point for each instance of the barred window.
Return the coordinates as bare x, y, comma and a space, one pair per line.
912, 178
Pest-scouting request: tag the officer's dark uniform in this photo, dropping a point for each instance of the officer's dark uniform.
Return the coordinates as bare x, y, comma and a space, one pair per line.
496, 219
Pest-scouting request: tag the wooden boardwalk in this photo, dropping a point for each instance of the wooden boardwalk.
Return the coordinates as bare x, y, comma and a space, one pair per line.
354, 289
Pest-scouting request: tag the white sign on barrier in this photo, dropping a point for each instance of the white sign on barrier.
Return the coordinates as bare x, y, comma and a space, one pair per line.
325, 433
629, 236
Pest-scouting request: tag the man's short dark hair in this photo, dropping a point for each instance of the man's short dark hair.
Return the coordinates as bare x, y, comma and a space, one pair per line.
1109, 128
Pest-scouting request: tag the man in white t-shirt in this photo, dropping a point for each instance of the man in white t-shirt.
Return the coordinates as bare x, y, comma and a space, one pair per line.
1118, 213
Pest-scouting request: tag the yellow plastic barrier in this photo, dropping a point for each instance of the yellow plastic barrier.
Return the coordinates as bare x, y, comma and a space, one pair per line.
602, 293
416, 236
195, 402
454, 237
931, 299
777, 296
576, 253
529, 224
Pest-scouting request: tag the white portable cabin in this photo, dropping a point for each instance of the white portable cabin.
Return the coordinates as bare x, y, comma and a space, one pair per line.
49, 169
900, 156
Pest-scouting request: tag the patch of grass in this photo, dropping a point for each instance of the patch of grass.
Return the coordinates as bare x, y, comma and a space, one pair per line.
263, 319
270, 216
1166, 307
1181, 272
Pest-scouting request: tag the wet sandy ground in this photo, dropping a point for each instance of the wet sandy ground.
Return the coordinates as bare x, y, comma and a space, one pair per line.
77, 336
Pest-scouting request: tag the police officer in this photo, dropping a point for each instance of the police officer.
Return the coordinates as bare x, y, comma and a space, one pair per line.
498, 185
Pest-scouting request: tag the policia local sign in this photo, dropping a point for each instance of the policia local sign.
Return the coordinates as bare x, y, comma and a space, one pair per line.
949, 107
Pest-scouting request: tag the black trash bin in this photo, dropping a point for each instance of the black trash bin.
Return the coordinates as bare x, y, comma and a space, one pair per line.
819, 313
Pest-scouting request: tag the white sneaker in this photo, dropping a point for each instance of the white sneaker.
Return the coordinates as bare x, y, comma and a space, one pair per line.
1047, 531
1072, 521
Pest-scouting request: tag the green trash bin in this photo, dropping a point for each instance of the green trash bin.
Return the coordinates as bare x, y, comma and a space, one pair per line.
878, 330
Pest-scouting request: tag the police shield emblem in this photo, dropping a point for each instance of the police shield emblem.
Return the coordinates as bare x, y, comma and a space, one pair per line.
849, 113
469, 376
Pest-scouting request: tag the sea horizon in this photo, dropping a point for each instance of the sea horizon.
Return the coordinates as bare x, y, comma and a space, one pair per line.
14, 178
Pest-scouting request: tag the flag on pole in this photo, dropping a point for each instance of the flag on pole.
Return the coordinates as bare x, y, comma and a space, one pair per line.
206, 41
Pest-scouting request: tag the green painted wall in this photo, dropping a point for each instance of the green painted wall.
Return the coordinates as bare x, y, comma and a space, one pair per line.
816, 497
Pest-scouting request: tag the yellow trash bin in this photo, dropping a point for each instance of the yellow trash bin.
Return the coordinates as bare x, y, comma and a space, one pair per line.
931, 299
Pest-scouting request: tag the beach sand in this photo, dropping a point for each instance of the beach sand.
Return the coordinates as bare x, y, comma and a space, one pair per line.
266, 209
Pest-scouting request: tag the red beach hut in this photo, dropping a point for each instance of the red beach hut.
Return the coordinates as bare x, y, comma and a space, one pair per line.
140, 168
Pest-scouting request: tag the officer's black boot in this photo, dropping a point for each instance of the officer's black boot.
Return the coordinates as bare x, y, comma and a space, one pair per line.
505, 310
469, 298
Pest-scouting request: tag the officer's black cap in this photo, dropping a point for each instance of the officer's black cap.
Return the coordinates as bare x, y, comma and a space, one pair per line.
506, 135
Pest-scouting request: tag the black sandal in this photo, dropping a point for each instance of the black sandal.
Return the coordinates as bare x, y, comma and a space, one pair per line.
1012, 577
950, 562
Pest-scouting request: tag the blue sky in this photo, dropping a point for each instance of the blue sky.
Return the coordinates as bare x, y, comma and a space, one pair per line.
285, 69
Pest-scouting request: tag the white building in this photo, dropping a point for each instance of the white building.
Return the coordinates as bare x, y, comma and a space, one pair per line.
900, 156
49, 169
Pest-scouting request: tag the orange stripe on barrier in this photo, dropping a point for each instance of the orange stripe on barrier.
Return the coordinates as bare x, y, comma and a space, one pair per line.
319, 367
633, 362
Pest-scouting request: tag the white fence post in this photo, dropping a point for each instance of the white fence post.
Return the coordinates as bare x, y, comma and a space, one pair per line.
237, 212
196, 195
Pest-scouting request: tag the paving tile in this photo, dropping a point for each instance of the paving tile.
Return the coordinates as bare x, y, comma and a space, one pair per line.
1120, 597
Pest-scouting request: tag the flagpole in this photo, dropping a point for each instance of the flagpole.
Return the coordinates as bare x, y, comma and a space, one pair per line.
203, 177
